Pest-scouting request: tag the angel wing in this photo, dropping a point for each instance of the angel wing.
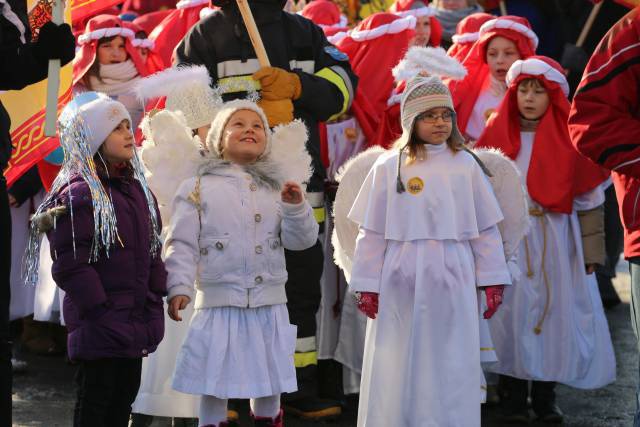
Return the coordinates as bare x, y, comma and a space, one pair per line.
289, 152
511, 197
350, 177
505, 181
170, 155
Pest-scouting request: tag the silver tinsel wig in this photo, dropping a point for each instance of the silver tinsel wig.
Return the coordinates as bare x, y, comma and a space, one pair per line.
79, 145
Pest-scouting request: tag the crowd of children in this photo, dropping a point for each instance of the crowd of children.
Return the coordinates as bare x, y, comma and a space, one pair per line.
197, 222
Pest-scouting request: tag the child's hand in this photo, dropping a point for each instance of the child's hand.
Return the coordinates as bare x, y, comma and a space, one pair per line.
368, 303
179, 302
291, 193
494, 299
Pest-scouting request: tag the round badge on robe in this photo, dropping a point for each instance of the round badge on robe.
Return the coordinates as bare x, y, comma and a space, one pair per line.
415, 185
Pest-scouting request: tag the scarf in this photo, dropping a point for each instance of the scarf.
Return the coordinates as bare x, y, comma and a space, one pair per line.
116, 79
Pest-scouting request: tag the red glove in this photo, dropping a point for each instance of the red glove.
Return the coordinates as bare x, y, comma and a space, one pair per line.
494, 299
368, 303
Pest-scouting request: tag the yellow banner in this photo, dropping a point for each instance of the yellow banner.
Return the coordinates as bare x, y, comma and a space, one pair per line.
26, 107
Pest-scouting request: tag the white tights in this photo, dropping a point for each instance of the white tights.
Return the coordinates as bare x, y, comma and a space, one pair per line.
214, 410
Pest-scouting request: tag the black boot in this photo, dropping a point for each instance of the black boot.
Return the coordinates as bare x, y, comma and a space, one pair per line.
543, 399
305, 403
141, 420
513, 400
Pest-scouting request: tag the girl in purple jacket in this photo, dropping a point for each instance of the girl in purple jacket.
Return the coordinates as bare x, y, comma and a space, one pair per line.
103, 225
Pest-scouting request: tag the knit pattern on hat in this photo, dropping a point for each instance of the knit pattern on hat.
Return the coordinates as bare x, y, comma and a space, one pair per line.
423, 94
214, 137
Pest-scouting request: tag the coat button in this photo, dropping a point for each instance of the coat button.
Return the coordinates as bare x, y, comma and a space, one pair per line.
219, 246
253, 187
258, 279
257, 217
145, 351
258, 249
204, 251
275, 244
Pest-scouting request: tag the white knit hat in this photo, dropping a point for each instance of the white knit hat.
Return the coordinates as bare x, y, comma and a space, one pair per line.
423, 94
188, 89
214, 137
101, 116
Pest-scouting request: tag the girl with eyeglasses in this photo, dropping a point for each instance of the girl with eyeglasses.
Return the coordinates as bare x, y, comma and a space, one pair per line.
428, 239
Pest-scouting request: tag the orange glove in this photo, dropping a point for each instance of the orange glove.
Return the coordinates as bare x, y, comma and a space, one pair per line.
278, 84
277, 112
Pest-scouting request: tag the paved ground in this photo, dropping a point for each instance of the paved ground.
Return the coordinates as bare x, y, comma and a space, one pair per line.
44, 396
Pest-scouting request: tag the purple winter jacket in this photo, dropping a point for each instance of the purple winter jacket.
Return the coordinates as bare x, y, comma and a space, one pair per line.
113, 307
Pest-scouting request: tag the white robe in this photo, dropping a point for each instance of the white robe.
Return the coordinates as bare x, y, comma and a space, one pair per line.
487, 103
22, 295
574, 346
341, 326
425, 251
156, 395
48, 296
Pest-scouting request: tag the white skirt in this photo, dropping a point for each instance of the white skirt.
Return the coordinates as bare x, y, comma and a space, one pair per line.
233, 352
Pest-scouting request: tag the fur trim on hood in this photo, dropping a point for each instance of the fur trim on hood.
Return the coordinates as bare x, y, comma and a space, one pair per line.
214, 137
285, 157
286, 160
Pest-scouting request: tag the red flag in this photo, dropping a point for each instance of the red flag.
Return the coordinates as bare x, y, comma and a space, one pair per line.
27, 108
81, 9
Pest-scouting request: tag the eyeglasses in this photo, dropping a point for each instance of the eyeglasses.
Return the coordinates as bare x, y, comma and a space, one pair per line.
432, 118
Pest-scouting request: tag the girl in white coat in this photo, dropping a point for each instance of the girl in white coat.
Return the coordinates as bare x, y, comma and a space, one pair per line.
229, 227
428, 238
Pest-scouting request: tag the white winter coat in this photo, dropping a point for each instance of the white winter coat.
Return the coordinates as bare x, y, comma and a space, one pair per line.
228, 238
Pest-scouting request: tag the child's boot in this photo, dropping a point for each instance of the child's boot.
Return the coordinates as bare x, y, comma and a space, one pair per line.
543, 399
277, 421
513, 398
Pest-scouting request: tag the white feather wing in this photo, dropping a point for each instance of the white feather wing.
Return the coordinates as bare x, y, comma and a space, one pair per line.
511, 196
170, 155
431, 60
289, 152
350, 177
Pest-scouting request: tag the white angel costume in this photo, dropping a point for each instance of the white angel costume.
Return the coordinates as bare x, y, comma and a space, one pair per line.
425, 251
551, 326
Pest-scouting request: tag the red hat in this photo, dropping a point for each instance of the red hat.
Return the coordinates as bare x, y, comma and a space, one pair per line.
170, 32
467, 33
466, 92
515, 28
418, 9
374, 47
557, 172
99, 27
326, 14
141, 38
149, 21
